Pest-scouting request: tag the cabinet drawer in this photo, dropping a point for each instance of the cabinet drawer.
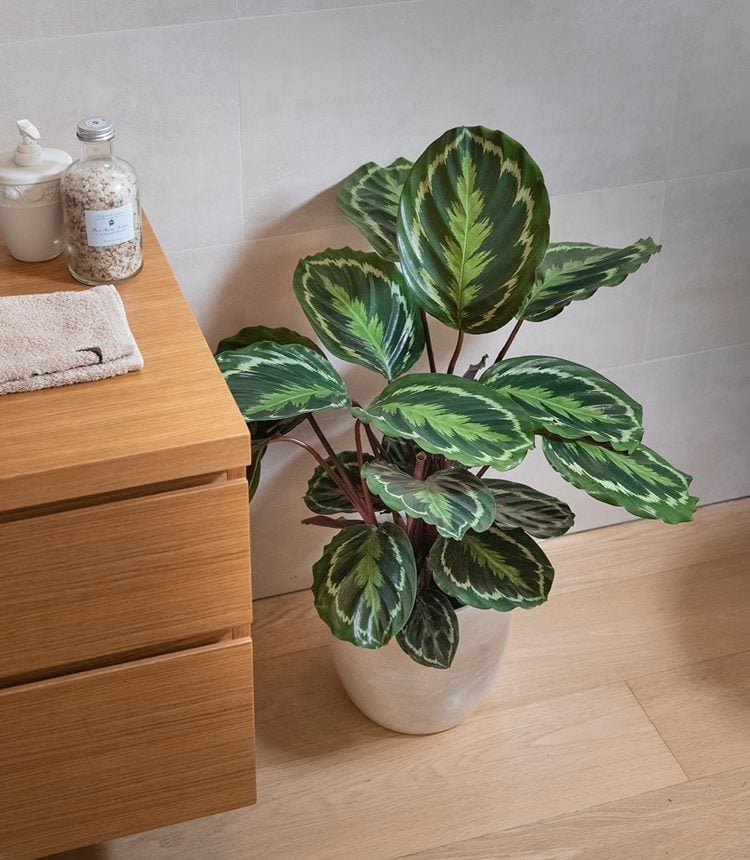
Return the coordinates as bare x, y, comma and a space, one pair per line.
101, 754
96, 582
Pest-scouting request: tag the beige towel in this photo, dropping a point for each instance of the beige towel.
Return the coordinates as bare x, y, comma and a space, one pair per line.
60, 338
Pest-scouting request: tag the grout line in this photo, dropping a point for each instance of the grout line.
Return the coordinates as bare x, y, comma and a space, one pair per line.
653, 286
679, 355
669, 749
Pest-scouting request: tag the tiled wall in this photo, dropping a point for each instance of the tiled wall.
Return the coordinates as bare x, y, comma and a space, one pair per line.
242, 117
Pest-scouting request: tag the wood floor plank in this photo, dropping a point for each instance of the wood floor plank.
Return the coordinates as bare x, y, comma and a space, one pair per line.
705, 819
286, 624
702, 711
400, 794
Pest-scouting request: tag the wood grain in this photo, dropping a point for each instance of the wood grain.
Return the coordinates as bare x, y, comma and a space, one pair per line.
702, 820
103, 753
703, 712
174, 419
98, 581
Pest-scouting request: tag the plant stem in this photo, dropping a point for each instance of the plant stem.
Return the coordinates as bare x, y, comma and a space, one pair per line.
482, 470
349, 491
456, 351
360, 460
428, 341
377, 448
501, 354
338, 466
419, 465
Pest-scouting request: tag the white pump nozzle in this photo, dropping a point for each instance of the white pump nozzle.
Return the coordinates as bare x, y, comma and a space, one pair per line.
28, 150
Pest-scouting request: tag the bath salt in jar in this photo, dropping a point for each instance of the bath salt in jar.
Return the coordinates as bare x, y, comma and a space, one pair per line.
102, 209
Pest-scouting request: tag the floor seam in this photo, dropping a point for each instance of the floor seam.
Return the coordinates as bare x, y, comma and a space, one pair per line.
663, 740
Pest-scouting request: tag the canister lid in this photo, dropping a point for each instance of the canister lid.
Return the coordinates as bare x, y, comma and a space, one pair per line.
93, 128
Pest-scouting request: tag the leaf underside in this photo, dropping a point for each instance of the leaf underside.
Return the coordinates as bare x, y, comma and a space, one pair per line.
520, 506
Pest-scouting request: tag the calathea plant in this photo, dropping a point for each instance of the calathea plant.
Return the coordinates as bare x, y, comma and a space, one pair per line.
460, 235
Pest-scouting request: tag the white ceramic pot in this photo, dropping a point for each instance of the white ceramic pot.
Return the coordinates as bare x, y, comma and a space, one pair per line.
404, 696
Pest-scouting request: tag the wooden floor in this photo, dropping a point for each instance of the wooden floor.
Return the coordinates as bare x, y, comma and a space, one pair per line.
619, 728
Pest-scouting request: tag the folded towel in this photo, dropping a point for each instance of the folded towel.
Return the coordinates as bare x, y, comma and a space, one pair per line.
60, 338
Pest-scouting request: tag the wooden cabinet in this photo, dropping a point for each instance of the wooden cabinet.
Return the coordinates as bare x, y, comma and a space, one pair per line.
125, 600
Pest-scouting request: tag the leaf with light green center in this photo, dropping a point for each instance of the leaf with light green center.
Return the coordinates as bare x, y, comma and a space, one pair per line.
270, 381
498, 569
568, 399
431, 634
642, 482
572, 271
472, 228
369, 198
459, 418
519, 506
365, 584
453, 500
360, 308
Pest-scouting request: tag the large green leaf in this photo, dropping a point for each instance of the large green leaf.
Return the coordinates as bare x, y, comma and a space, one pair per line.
270, 381
472, 228
369, 198
365, 584
324, 497
519, 506
256, 333
430, 636
361, 310
568, 399
642, 482
571, 271
459, 418
498, 569
453, 500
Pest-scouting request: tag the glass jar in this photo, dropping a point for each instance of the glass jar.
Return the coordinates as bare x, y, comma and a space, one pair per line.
102, 209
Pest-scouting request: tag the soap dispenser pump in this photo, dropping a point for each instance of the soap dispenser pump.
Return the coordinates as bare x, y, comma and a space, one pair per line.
31, 219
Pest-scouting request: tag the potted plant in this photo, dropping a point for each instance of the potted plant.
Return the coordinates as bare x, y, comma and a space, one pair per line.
425, 543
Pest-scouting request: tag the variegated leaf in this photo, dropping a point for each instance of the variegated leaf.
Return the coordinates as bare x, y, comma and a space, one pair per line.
459, 418
568, 399
365, 584
571, 271
360, 309
369, 199
401, 453
453, 500
270, 381
430, 636
642, 482
472, 228
256, 333
324, 497
498, 569
519, 506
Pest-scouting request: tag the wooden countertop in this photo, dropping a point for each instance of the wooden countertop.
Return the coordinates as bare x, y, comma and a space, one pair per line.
174, 419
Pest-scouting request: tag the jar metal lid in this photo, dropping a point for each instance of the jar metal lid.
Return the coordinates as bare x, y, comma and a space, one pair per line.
94, 128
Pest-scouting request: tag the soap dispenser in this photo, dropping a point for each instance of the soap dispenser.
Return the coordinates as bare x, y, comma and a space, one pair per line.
31, 219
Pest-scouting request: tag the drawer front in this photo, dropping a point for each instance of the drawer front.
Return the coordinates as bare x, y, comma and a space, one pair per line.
89, 757
95, 582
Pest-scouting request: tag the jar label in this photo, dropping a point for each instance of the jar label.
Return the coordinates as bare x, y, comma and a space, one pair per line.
106, 227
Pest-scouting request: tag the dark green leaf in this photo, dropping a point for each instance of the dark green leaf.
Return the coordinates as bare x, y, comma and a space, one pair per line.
519, 506
497, 569
401, 453
571, 271
257, 333
472, 228
360, 309
270, 381
324, 497
365, 584
453, 500
459, 418
369, 199
568, 399
642, 482
430, 636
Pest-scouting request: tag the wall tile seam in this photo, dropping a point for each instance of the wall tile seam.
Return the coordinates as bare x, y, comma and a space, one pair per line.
679, 355
331, 9
95, 33
653, 285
